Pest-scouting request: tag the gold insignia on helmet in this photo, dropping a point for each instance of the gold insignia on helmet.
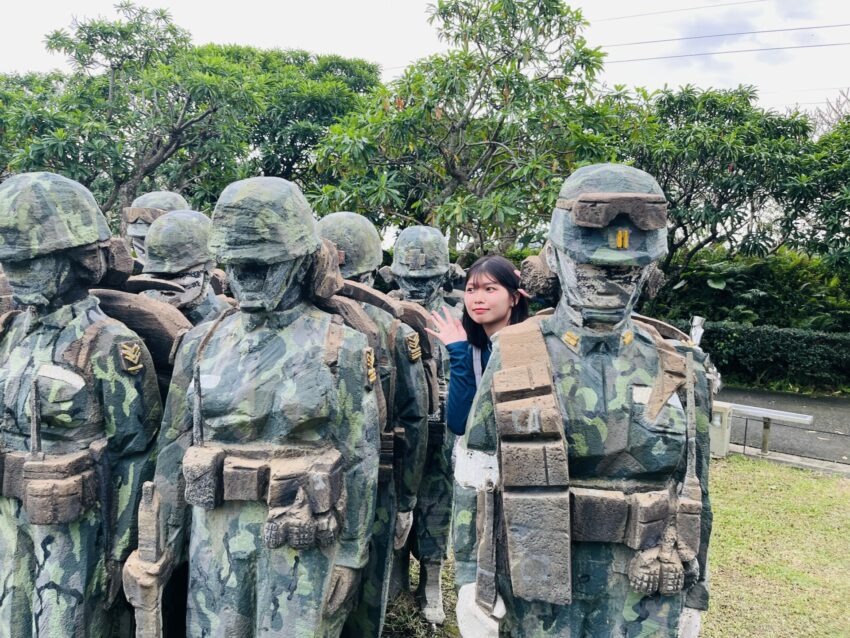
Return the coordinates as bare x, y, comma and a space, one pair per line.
414, 350
131, 356
371, 373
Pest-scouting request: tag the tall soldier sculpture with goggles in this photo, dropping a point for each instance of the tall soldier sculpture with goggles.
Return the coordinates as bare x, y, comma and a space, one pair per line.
585, 465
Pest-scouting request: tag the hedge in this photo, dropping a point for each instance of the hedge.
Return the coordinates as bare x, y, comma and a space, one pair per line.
765, 355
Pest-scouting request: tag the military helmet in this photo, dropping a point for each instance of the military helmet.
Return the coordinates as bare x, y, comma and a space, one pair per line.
420, 251
356, 239
177, 242
41, 213
262, 219
610, 215
164, 200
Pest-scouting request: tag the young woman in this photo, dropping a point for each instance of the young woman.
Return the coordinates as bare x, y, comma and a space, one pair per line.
492, 300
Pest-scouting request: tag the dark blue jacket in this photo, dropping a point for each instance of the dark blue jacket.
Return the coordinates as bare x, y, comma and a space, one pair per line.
461, 383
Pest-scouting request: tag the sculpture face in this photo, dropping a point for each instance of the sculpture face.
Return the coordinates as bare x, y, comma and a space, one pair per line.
604, 295
420, 289
38, 281
194, 288
260, 287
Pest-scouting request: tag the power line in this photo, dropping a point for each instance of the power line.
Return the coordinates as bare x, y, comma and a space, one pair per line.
657, 13
723, 35
704, 53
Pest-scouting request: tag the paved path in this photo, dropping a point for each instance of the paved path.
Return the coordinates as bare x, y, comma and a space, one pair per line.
828, 438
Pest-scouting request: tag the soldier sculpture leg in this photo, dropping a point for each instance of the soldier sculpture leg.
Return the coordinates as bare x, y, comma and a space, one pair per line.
17, 566
62, 598
367, 619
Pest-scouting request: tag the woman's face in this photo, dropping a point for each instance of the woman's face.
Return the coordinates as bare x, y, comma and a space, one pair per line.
487, 301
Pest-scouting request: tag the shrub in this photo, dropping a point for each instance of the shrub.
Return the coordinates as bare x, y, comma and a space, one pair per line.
779, 357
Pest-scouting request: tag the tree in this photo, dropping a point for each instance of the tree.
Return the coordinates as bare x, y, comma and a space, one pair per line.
724, 164
476, 140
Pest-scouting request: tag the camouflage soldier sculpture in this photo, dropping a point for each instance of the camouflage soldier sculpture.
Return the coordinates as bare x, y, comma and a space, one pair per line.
177, 249
269, 443
406, 390
80, 415
420, 264
137, 219
584, 467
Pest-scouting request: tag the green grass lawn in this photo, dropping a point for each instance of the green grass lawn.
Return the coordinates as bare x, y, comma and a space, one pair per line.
780, 552
780, 557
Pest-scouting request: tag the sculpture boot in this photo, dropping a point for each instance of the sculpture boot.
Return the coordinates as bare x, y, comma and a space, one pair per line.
430, 594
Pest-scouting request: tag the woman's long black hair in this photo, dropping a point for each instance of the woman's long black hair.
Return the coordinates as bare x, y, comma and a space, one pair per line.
502, 271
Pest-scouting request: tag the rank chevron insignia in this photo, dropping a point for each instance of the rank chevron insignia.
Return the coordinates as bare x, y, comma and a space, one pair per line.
131, 355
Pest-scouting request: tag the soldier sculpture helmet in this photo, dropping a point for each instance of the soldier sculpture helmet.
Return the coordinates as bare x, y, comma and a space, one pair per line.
262, 220
41, 213
178, 241
420, 252
610, 215
356, 240
163, 200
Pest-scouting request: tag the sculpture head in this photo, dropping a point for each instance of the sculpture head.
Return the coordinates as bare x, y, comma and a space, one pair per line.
177, 247
264, 234
420, 262
136, 220
608, 227
357, 242
52, 238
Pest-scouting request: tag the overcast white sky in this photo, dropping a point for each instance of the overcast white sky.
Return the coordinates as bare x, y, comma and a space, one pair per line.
393, 33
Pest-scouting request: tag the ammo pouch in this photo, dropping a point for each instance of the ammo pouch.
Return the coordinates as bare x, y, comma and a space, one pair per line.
609, 516
54, 489
303, 488
535, 494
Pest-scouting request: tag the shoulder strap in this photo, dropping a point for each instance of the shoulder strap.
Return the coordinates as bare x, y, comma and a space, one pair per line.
78, 353
664, 329
672, 376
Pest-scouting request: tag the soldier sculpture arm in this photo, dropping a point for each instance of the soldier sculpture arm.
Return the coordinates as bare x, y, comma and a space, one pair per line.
697, 596
357, 430
411, 413
125, 379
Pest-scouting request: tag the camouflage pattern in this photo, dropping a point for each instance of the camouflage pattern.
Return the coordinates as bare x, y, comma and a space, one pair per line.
262, 220
608, 441
409, 411
163, 200
273, 381
41, 213
178, 242
432, 517
606, 384
62, 579
587, 244
406, 391
356, 238
252, 394
420, 252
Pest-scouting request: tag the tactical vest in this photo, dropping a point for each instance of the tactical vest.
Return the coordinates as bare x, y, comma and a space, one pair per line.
537, 511
57, 489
